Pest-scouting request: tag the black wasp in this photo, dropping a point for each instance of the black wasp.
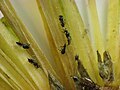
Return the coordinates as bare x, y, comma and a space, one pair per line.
63, 49
24, 45
61, 20
32, 61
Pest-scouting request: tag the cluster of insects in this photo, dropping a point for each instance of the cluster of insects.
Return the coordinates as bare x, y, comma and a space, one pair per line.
27, 46
67, 34
83, 82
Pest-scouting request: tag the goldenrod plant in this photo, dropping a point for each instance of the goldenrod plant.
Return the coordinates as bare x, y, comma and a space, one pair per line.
59, 44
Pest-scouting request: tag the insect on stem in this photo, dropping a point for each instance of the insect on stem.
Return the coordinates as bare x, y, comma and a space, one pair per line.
67, 34
61, 20
63, 49
32, 61
24, 45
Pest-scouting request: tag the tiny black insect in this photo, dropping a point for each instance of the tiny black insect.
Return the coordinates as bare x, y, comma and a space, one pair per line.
24, 45
32, 61
69, 40
61, 20
18, 43
76, 57
67, 34
60, 17
63, 49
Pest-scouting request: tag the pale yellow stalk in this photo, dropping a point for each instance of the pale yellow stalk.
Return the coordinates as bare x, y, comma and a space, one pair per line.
23, 33
12, 74
19, 58
113, 37
85, 41
98, 37
4, 85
